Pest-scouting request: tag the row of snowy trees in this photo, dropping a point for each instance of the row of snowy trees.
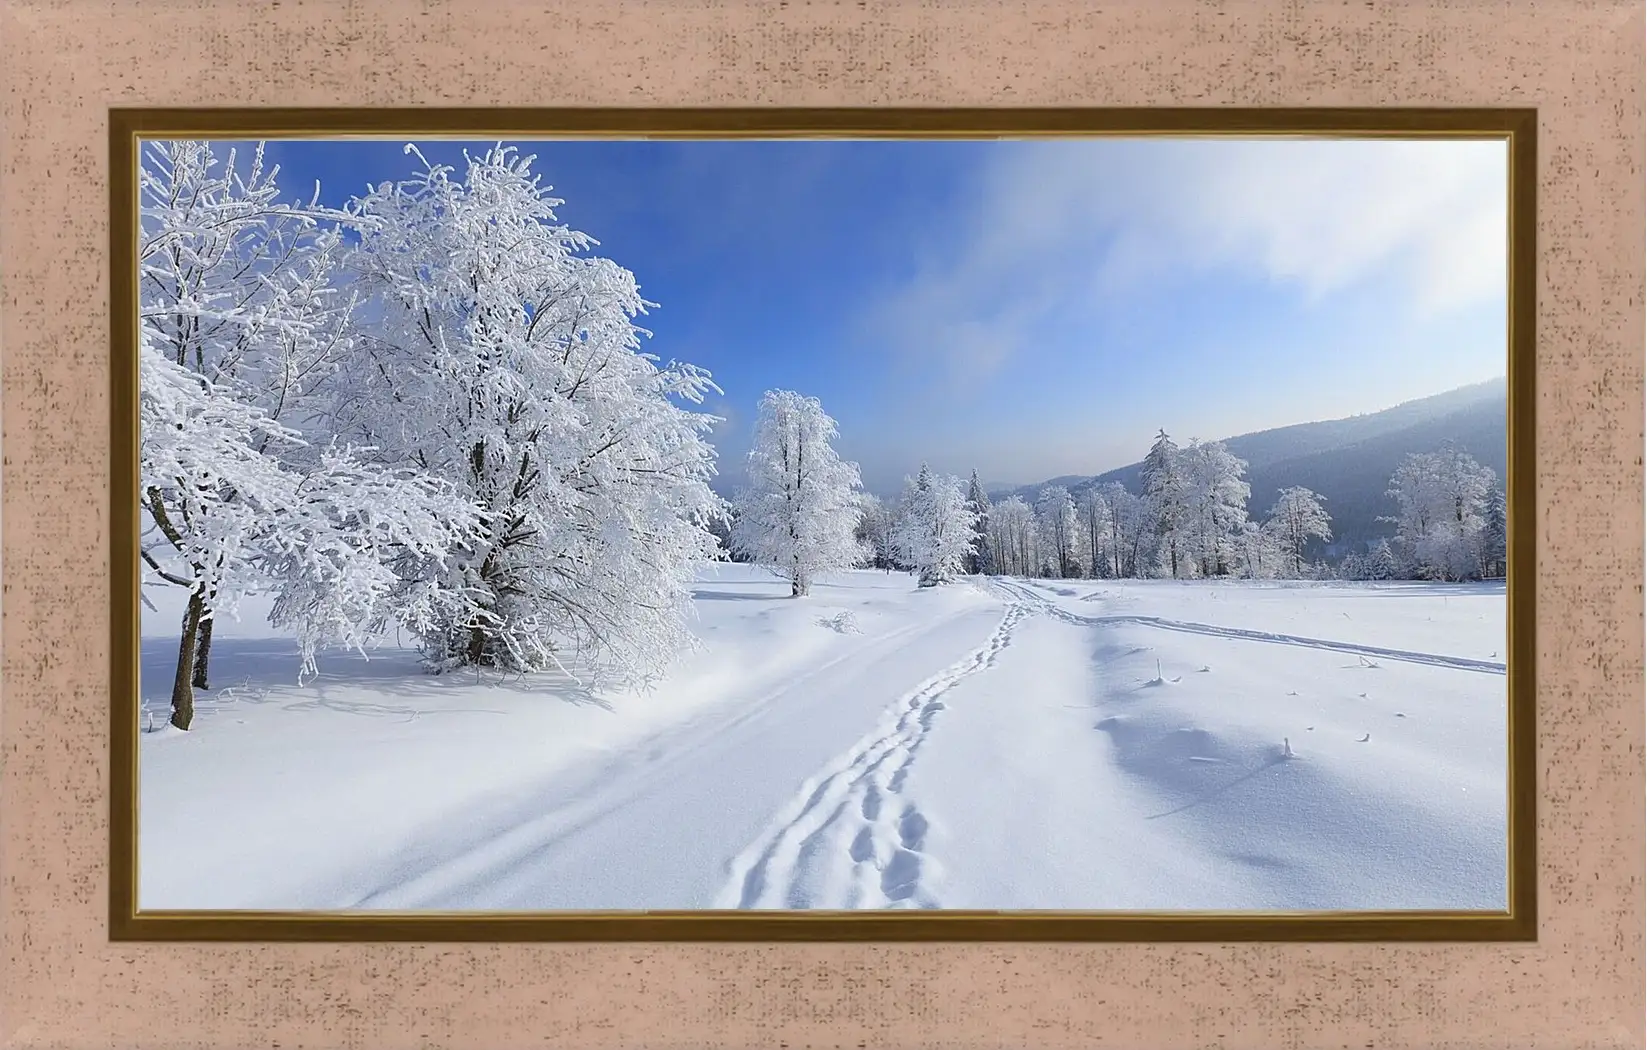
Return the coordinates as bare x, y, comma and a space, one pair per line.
1191, 520
427, 408
803, 514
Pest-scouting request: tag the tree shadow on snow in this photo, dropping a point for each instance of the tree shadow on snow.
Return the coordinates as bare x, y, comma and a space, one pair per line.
1193, 764
1418, 588
736, 596
265, 671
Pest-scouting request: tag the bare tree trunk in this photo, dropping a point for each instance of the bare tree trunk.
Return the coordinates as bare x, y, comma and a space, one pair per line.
183, 684
793, 498
203, 654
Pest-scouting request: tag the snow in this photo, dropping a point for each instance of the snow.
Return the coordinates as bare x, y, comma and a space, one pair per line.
986, 744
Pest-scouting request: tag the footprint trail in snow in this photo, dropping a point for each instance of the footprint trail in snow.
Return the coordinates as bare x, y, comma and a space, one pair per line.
850, 839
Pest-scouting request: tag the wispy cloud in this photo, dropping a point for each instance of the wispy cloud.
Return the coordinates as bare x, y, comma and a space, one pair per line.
1052, 226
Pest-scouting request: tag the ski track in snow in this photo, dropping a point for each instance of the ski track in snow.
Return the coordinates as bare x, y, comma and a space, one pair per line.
484, 853
851, 840
1023, 593
882, 862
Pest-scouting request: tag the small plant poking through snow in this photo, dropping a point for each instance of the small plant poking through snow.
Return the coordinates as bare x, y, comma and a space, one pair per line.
1160, 679
841, 623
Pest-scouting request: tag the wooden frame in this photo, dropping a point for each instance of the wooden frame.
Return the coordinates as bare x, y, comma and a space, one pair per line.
128, 126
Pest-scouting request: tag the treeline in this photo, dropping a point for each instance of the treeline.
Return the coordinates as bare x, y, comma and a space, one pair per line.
1190, 521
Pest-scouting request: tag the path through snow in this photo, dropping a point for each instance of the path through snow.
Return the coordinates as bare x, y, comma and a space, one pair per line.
1083, 746
850, 840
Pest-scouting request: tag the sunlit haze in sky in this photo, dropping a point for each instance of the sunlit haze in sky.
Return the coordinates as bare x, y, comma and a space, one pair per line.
1034, 308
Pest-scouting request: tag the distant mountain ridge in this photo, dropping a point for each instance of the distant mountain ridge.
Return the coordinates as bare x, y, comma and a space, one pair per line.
1348, 461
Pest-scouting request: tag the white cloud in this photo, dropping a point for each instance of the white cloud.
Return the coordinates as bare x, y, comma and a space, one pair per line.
1323, 214
1053, 222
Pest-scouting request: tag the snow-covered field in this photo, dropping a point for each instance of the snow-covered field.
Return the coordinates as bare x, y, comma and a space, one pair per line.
990, 744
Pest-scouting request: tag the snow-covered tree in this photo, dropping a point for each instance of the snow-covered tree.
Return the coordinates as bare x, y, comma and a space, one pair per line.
1495, 536
1296, 518
1166, 496
1056, 518
1381, 562
1418, 487
720, 526
1129, 529
1216, 503
799, 514
505, 359
902, 515
1441, 498
979, 562
241, 334
1353, 566
874, 532
1094, 513
1258, 551
936, 533
1012, 537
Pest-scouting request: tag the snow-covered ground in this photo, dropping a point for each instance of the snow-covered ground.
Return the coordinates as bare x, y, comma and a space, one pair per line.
991, 744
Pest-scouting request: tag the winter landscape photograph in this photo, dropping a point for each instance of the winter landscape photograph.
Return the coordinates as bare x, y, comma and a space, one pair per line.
1093, 524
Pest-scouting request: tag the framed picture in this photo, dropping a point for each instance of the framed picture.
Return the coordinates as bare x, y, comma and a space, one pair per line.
1203, 754
1039, 524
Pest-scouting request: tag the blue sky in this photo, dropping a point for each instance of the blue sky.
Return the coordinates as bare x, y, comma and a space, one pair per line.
1034, 309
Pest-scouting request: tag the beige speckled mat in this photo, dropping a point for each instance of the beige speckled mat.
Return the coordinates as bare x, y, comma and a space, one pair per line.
64, 63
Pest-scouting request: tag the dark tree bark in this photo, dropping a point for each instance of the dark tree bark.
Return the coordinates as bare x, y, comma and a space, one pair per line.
203, 654
183, 684
798, 584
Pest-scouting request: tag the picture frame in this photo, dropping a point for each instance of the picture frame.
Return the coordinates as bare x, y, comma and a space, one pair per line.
69, 983
128, 129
